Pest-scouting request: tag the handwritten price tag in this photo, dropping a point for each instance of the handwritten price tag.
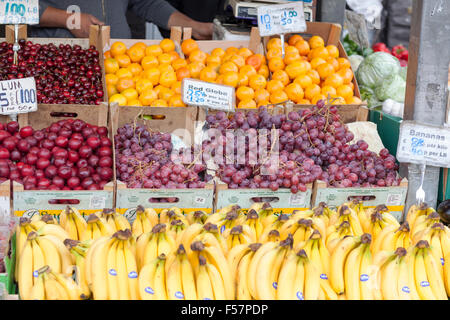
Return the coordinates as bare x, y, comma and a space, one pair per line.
424, 144
19, 11
281, 18
209, 95
18, 96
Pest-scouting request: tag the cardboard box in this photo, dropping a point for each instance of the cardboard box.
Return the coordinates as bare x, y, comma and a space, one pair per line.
30, 202
282, 200
393, 197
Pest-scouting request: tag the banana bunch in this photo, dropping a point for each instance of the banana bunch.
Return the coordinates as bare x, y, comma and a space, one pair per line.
416, 211
391, 238
422, 223
377, 224
227, 218
335, 233
73, 222
265, 212
39, 251
79, 250
111, 269
255, 223
96, 227
197, 217
270, 236
153, 244
176, 230
301, 229
346, 213
51, 285
38, 221
240, 234
168, 215
208, 234
275, 225
146, 219
321, 212
115, 220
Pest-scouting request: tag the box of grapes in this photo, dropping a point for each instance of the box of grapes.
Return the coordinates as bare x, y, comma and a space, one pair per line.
62, 156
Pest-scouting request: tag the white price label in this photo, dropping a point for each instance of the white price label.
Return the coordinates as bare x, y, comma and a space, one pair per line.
18, 96
200, 200
394, 199
297, 199
209, 95
281, 18
19, 11
424, 144
97, 202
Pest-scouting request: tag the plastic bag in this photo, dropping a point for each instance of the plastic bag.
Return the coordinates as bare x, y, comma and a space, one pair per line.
370, 9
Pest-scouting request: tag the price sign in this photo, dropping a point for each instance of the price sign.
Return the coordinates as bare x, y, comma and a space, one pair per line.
18, 96
19, 11
209, 95
424, 144
281, 18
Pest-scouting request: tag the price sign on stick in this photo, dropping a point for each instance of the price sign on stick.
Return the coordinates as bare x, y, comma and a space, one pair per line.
18, 96
424, 144
281, 19
209, 95
19, 11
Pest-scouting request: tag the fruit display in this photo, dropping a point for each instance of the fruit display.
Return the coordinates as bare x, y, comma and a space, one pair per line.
69, 154
64, 74
347, 253
313, 144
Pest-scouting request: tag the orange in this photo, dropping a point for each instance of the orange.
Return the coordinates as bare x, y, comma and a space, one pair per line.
218, 52
276, 63
350, 84
278, 96
245, 93
198, 56
188, 45
182, 73
294, 92
245, 52
167, 45
134, 103
325, 70
257, 81
195, 68
296, 69
333, 51
353, 100
167, 78
274, 43
226, 57
228, 67
311, 91
303, 80
302, 47
315, 42
318, 97
238, 60
179, 63
291, 50
291, 57
314, 75
125, 83
334, 80
143, 84
262, 95
344, 63
165, 93
124, 73
158, 89
135, 68
304, 101
274, 85
256, 60
213, 60
243, 80
111, 79
149, 62
111, 65
247, 104
147, 97
119, 99
111, 90
338, 100
140, 45
153, 75
136, 54
317, 62
232, 50
319, 52
264, 71
219, 79
165, 67
159, 103
344, 91
262, 103
208, 74
282, 76
176, 101
346, 74
231, 78
164, 58
130, 94
107, 54
274, 52
247, 70
334, 63
153, 50
328, 90
294, 39
117, 49
176, 87
123, 60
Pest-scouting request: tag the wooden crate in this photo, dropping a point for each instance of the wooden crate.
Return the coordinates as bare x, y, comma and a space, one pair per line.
30, 202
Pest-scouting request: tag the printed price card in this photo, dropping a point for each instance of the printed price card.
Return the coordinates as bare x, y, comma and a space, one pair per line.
209, 95
281, 18
18, 96
424, 144
19, 11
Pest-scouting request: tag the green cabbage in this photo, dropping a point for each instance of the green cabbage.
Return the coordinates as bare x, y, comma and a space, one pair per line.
376, 68
392, 88
403, 71
355, 61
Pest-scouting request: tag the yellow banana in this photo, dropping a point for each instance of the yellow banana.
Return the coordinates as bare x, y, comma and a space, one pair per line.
255, 263
187, 276
216, 282
146, 280
99, 269
337, 262
434, 275
351, 273
242, 292
204, 286
422, 281
174, 282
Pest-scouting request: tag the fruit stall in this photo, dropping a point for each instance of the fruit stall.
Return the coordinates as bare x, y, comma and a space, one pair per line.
183, 169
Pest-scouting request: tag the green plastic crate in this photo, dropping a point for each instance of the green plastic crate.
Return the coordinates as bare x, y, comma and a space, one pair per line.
10, 260
388, 128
